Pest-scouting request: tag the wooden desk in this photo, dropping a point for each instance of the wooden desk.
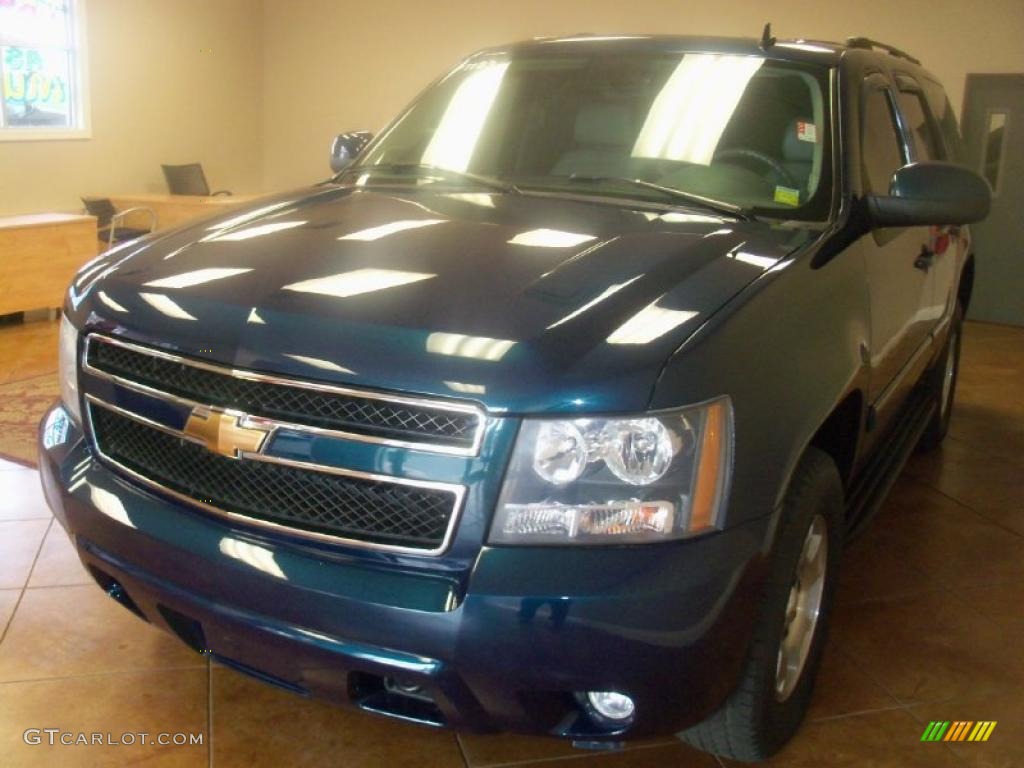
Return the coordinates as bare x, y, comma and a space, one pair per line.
173, 210
39, 254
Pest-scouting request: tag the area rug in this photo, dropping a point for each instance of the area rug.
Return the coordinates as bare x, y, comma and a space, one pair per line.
22, 404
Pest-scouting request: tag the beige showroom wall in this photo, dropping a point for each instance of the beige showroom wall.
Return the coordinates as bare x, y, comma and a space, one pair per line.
170, 81
334, 65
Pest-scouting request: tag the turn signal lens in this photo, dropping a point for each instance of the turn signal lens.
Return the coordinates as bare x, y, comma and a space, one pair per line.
626, 519
710, 475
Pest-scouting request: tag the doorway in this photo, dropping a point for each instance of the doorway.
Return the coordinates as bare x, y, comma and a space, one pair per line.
993, 126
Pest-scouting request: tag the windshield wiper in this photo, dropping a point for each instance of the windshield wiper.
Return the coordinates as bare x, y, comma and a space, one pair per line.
707, 203
426, 168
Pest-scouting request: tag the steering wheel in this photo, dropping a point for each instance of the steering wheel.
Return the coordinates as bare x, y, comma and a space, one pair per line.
743, 153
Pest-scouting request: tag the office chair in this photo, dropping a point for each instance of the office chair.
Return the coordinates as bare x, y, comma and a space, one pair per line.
108, 220
189, 179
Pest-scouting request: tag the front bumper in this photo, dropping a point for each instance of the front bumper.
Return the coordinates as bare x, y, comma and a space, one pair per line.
666, 624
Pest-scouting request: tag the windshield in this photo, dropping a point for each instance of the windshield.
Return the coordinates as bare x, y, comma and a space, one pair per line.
743, 130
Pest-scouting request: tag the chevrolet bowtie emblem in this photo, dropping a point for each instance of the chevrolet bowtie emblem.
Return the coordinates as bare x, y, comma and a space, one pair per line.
223, 433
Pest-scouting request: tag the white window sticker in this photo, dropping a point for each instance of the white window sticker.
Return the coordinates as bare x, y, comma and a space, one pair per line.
807, 132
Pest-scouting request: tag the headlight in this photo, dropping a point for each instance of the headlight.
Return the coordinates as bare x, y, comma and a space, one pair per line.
617, 480
67, 361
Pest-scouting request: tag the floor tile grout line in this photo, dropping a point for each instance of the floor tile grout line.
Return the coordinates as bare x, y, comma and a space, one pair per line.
905, 476
871, 676
938, 590
28, 577
910, 594
970, 444
10, 621
462, 750
583, 755
29, 378
940, 587
209, 711
970, 605
860, 712
89, 583
929, 578
978, 513
903, 703
35, 560
105, 673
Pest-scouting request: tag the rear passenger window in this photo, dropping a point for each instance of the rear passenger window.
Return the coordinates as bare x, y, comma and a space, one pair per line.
946, 119
994, 149
881, 147
926, 143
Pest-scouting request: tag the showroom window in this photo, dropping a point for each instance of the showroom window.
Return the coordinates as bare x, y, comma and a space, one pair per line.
42, 70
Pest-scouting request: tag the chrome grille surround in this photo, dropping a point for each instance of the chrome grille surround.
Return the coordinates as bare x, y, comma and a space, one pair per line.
410, 410
457, 492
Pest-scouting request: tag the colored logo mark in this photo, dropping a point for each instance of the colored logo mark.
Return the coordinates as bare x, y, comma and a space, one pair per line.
958, 730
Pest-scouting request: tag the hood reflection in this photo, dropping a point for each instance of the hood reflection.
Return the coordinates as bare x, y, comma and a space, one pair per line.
102, 296
468, 389
316, 362
650, 323
358, 282
247, 234
551, 238
376, 233
476, 347
166, 306
195, 277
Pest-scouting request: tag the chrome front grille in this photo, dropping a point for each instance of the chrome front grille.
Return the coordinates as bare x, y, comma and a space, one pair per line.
214, 447
426, 424
338, 504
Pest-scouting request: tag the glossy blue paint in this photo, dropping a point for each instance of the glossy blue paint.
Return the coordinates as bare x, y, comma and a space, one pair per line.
482, 302
529, 305
492, 642
525, 304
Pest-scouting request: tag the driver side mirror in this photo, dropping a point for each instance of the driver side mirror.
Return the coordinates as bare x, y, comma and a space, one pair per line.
346, 147
931, 194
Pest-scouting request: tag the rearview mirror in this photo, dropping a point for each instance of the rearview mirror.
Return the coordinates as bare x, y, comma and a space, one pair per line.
346, 147
932, 193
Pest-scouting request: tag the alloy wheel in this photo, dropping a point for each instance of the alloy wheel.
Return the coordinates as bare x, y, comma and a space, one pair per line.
802, 609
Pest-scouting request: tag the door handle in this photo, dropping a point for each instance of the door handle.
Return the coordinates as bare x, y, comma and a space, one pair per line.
924, 259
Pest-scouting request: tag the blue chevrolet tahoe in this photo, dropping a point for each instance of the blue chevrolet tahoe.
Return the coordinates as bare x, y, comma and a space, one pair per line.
551, 410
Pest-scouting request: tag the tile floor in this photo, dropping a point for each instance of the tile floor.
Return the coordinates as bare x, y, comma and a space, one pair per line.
928, 626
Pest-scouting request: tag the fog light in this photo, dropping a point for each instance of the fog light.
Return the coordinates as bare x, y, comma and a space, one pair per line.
616, 707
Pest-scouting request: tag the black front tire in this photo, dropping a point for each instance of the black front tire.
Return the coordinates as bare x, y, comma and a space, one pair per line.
757, 720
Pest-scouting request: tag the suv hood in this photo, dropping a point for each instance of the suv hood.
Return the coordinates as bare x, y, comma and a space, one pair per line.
525, 303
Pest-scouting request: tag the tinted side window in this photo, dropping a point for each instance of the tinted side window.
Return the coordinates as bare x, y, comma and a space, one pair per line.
946, 119
918, 121
881, 146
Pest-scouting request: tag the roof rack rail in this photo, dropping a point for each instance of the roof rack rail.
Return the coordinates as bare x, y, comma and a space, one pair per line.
868, 44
